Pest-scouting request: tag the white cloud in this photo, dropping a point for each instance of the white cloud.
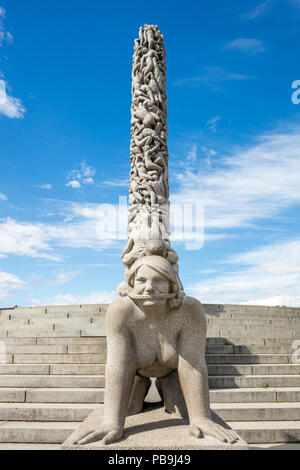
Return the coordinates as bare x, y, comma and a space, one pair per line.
248, 45
12, 107
235, 194
213, 77
212, 123
9, 105
116, 182
249, 184
24, 239
101, 297
3, 197
192, 153
83, 175
271, 276
63, 277
88, 181
74, 184
45, 186
259, 10
92, 226
8, 283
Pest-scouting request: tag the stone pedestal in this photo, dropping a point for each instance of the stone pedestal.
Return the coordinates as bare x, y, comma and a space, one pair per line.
154, 429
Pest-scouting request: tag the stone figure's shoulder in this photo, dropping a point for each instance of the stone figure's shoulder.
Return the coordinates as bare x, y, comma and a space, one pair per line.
120, 307
193, 309
119, 311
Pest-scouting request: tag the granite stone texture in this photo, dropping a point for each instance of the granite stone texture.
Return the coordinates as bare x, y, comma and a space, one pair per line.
154, 429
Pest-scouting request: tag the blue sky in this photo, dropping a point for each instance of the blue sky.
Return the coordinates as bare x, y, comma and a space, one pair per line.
234, 145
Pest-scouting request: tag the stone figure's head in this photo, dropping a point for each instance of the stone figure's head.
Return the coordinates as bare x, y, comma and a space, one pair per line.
153, 281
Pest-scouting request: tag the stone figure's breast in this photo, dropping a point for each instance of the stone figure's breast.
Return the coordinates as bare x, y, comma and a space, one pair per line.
156, 353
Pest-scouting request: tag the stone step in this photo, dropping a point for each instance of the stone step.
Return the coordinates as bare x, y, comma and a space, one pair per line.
37, 349
57, 432
257, 411
80, 411
64, 395
59, 358
94, 340
256, 381
52, 316
273, 446
101, 348
43, 381
94, 381
31, 447
77, 369
215, 308
24, 369
28, 332
99, 369
76, 341
237, 341
96, 395
257, 395
35, 432
101, 358
268, 431
257, 332
250, 322
257, 369
252, 315
248, 358
57, 308
51, 323
228, 321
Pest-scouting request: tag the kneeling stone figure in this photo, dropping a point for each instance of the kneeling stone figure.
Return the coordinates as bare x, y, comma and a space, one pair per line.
155, 331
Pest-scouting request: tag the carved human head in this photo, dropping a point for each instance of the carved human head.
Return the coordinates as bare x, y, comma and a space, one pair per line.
152, 277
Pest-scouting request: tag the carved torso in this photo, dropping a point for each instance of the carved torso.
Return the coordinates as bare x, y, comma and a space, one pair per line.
155, 338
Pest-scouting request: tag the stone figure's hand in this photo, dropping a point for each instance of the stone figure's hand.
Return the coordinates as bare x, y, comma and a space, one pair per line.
207, 427
108, 433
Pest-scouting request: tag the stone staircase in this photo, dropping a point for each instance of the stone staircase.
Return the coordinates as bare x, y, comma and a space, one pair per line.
52, 375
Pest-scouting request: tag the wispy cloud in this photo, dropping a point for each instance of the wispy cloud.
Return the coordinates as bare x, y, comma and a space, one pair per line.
47, 186
3, 197
259, 10
63, 277
267, 276
10, 106
249, 45
81, 176
236, 193
74, 184
212, 77
5, 36
24, 239
8, 283
192, 153
122, 183
92, 226
101, 297
212, 123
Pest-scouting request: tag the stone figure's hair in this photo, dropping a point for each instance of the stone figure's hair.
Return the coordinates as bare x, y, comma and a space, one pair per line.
164, 268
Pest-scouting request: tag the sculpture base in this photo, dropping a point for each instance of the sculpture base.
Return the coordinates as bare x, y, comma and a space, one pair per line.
154, 429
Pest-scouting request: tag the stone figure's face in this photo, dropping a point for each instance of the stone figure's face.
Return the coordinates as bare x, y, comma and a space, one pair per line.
151, 285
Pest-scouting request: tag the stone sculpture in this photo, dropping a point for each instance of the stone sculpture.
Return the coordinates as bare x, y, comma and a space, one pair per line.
153, 330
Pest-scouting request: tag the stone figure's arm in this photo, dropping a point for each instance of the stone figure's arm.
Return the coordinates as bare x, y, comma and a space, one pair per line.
192, 367
193, 376
120, 367
120, 373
